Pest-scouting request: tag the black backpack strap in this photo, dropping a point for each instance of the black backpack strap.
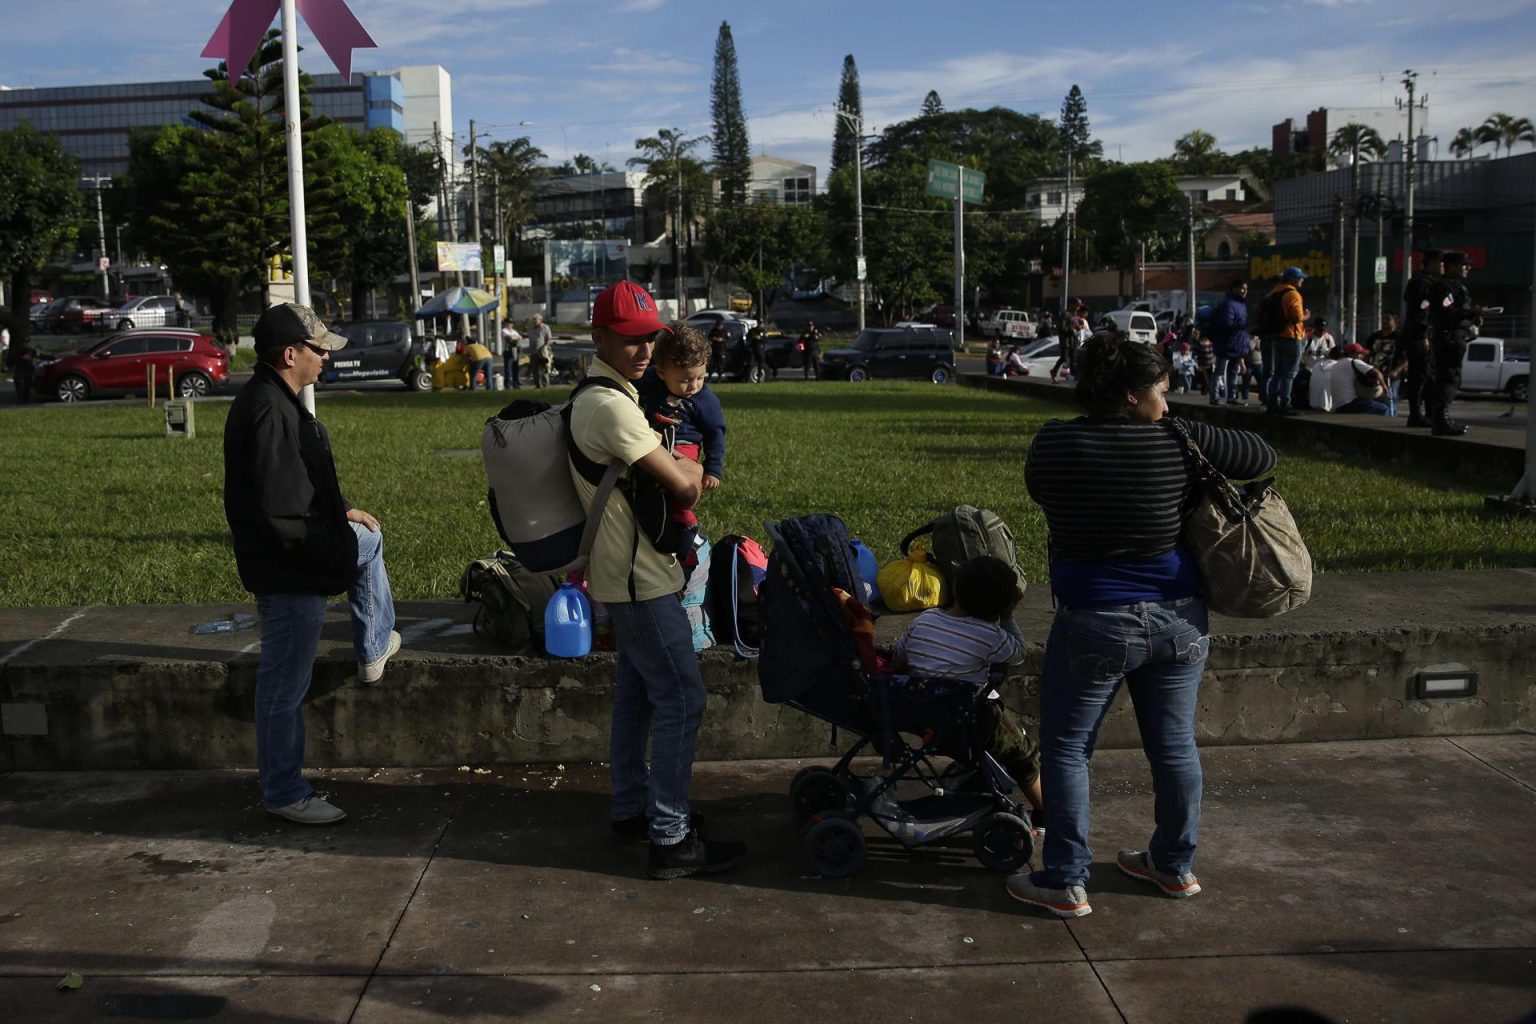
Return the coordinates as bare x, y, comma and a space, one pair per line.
590, 469
906, 542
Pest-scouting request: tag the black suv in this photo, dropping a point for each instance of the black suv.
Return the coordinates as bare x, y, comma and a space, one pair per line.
923, 353
379, 350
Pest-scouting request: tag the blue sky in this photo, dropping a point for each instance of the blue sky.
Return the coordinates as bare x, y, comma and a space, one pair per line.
592, 75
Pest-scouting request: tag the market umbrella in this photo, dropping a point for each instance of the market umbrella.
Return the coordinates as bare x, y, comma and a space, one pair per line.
457, 300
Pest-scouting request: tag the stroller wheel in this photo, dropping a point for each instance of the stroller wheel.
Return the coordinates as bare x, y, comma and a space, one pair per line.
816, 790
1003, 842
833, 844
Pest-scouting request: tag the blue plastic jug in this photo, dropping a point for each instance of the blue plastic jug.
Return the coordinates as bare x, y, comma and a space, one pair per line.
868, 568
568, 623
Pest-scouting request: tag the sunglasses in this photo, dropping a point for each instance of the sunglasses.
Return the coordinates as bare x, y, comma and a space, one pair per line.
316, 349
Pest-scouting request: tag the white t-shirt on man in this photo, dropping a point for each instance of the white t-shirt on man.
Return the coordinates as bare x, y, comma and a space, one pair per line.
1318, 394
1342, 387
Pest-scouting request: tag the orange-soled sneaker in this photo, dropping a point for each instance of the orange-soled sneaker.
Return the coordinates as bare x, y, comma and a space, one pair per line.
1138, 864
1071, 901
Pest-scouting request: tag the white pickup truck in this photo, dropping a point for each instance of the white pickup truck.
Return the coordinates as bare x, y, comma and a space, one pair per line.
1489, 365
1007, 323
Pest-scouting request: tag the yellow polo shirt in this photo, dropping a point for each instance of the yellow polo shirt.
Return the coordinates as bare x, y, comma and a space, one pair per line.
607, 426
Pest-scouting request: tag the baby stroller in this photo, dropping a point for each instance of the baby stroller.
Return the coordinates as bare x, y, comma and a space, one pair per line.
811, 661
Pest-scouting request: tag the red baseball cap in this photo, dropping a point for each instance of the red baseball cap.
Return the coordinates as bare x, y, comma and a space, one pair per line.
627, 308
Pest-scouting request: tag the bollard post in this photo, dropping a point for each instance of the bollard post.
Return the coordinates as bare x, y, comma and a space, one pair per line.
149, 383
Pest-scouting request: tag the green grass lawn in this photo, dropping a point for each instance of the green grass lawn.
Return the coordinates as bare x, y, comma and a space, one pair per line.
99, 507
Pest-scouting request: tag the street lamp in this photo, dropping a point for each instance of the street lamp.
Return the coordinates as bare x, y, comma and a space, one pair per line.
856, 121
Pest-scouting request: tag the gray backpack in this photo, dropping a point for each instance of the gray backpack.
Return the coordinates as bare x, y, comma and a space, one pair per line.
961, 534
511, 598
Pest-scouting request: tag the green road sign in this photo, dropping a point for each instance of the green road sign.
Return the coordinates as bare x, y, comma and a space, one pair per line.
1381, 270
944, 180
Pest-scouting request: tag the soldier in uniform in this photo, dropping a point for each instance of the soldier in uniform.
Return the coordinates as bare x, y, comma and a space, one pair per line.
1415, 335
1454, 321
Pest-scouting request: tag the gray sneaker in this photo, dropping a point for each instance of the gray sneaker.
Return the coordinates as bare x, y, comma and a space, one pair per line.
1138, 864
1069, 902
374, 671
312, 810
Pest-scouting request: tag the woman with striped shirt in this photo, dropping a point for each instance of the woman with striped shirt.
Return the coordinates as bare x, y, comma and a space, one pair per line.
1116, 487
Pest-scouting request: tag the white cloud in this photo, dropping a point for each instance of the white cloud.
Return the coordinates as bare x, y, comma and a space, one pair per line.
640, 6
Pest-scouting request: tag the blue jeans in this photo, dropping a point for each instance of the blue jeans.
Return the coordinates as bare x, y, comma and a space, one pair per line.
510, 366
1283, 367
1159, 649
290, 635
1186, 379
1227, 375
1391, 396
658, 694
483, 366
1369, 406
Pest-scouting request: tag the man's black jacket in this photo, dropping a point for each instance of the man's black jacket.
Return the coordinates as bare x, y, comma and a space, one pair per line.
281, 496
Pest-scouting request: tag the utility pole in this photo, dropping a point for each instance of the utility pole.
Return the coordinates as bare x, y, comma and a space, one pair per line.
1338, 279
1381, 245
1066, 248
1142, 293
856, 122
1410, 81
101, 234
960, 254
1190, 302
497, 273
474, 188
677, 238
1354, 231
410, 242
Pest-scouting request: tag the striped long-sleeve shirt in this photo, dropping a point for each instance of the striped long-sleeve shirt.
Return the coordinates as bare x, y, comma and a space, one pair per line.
1115, 493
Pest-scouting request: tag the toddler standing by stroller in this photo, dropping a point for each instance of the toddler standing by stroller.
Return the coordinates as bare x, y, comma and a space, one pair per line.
963, 643
682, 408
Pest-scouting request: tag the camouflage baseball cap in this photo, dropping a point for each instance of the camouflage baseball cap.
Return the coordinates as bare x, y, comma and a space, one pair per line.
288, 323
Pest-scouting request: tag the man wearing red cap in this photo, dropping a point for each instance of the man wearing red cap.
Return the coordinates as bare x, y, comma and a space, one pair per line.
1354, 385
658, 692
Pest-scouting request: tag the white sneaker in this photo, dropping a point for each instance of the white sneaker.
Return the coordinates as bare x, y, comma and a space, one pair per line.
374, 670
312, 810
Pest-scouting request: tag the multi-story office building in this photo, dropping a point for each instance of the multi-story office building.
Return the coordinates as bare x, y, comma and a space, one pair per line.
93, 122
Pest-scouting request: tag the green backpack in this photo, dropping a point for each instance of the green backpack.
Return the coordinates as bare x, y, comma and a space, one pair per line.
511, 598
961, 534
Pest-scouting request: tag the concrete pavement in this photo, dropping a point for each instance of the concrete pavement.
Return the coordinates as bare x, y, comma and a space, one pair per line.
1369, 881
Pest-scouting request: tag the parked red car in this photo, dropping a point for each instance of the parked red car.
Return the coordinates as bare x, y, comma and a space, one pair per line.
121, 362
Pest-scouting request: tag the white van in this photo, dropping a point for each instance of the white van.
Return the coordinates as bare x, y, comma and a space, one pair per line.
1140, 325
1007, 323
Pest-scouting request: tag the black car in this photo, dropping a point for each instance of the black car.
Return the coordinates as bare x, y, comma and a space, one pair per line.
922, 353
379, 350
780, 352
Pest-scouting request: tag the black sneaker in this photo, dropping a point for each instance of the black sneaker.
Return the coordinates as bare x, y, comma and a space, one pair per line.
695, 855
1447, 428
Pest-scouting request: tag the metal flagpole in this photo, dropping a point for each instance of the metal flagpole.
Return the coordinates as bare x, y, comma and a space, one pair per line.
295, 168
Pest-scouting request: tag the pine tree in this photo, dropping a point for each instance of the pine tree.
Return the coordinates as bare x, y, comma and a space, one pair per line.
1075, 137
931, 104
850, 116
732, 151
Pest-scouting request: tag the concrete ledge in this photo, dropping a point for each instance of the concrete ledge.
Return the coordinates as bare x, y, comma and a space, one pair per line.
131, 687
1360, 436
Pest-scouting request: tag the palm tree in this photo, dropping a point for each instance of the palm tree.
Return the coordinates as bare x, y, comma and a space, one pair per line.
1358, 140
1195, 149
1465, 143
678, 181
1505, 130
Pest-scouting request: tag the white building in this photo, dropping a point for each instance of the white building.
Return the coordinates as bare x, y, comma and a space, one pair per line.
429, 109
1046, 199
781, 182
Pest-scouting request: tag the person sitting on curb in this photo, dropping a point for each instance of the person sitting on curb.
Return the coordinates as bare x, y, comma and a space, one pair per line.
1354, 385
658, 692
297, 542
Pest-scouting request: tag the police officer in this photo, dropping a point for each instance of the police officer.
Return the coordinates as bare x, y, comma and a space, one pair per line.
1415, 334
757, 366
1454, 321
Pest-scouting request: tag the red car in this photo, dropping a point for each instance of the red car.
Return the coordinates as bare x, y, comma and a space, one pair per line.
121, 363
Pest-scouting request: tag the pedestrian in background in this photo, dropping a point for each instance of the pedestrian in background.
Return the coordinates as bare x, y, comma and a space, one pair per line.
1415, 334
1282, 317
23, 356
1454, 321
1228, 329
511, 343
541, 351
757, 365
297, 541
717, 350
479, 360
1385, 356
810, 347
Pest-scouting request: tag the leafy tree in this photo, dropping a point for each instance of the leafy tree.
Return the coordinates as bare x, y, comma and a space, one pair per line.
1125, 205
1506, 130
849, 116
931, 104
39, 202
760, 243
1075, 135
510, 172
365, 171
674, 179
732, 151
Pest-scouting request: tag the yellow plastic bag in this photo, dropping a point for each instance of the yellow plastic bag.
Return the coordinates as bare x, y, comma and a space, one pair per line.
912, 583
450, 374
